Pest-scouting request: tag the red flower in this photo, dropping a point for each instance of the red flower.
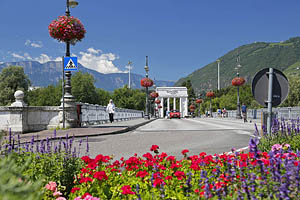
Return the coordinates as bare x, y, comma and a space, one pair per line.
74, 189
100, 175
180, 175
126, 189
85, 180
146, 82
142, 174
86, 159
169, 177
183, 152
157, 182
102, 158
154, 148
92, 165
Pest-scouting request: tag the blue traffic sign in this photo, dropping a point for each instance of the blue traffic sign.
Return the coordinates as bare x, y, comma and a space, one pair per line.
70, 64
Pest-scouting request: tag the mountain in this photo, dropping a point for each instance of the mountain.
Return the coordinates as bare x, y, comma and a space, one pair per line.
284, 56
50, 73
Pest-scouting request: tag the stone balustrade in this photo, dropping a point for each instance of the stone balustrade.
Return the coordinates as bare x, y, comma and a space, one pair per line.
20, 118
288, 113
96, 114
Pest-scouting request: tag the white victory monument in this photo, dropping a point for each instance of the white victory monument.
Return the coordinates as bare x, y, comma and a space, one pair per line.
173, 93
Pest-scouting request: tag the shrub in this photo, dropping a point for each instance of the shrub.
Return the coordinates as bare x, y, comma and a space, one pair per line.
282, 133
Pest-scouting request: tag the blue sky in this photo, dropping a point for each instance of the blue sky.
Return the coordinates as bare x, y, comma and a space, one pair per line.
179, 36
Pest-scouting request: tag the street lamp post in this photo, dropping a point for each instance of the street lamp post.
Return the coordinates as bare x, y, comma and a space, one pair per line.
218, 61
147, 116
67, 93
238, 109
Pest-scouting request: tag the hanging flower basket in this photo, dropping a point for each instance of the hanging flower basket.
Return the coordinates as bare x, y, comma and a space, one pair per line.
199, 101
192, 107
157, 101
210, 94
238, 81
146, 82
154, 94
192, 110
66, 29
159, 106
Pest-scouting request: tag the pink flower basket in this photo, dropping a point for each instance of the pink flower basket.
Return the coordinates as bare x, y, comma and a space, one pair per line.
66, 29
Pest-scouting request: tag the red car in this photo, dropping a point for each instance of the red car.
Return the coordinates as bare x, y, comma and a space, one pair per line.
174, 114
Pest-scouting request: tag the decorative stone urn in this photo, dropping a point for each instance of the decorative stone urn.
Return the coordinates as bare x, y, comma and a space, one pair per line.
19, 96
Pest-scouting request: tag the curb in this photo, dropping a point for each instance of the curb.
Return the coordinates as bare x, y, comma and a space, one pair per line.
127, 129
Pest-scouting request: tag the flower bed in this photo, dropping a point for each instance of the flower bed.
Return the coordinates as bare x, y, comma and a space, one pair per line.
273, 175
154, 175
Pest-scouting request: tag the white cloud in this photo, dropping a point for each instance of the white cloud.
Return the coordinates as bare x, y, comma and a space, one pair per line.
43, 58
103, 63
18, 56
35, 44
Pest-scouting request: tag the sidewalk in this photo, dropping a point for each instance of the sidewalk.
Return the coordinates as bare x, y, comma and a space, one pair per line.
92, 130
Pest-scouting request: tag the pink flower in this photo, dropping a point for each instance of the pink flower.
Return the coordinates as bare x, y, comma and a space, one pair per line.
57, 193
51, 186
276, 147
61, 198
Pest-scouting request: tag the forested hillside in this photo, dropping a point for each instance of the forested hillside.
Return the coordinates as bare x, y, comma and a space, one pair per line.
284, 56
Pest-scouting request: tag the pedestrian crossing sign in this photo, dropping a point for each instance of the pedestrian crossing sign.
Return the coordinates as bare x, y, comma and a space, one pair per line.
70, 64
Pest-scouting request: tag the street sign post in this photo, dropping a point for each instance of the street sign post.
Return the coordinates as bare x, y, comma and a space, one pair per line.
270, 87
70, 64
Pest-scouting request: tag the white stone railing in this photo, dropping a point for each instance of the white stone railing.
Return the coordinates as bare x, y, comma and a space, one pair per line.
20, 118
96, 114
288, 113
26, 119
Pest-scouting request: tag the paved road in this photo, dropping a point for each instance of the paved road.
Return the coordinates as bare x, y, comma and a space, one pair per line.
172, 136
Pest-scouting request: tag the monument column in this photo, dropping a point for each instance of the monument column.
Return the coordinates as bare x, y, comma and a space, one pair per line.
180, 107
174, 103
162, 108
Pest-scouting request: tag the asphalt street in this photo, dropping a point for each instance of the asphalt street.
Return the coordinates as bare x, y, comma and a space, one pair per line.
198, 135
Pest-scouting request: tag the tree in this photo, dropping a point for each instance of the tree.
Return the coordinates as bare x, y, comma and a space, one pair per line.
293, 98
103, 96
48, 96
83, 88
12, 78
128, 98
190, 90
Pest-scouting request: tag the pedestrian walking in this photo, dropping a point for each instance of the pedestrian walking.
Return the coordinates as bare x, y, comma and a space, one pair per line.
244, 112
224, 113
110, 108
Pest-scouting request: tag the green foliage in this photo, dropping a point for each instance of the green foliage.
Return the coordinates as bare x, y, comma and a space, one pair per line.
14, 184
103, 96
58, 167
83, 88
12, 79
48, 96
128, 98
293, 98
190, 90
227, 98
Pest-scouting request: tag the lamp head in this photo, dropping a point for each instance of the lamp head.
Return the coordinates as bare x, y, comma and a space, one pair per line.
146, 68
73, 3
